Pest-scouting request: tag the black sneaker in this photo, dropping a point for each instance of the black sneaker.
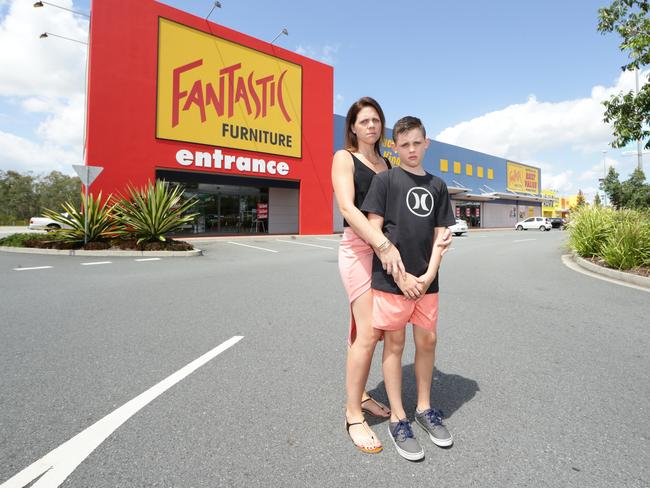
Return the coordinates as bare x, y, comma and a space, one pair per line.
405, 442
431, 421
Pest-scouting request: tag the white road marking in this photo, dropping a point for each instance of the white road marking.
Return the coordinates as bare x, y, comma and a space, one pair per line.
524, 240
148, 259
304, 244
569, 263
253, 247
96, 262
32, 268
58, 464
329, 240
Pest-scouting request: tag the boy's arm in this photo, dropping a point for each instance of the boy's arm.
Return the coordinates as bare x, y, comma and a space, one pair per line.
406, 281
436, 257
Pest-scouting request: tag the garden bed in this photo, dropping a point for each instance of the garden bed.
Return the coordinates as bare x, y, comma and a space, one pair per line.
48, 241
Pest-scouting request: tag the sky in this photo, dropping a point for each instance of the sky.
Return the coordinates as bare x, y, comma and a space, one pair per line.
519, 80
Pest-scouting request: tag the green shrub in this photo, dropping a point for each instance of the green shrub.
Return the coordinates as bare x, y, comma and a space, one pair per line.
25, 239
589, 229
628, 245
101, 221
153, 211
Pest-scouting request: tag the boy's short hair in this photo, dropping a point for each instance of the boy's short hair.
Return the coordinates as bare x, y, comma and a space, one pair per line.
406, 124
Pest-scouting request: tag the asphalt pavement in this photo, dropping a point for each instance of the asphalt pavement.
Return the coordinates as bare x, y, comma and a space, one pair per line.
541, 371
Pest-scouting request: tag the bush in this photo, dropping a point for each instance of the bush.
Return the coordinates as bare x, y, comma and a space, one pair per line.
153, 211
628, 245
24, 240
101, 222
589, 228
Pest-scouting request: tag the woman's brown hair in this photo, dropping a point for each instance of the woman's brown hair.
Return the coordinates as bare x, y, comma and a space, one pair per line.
351, 143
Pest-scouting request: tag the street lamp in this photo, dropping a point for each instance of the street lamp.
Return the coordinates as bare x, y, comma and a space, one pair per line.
43, 4
283, 31
45, 35
216, 5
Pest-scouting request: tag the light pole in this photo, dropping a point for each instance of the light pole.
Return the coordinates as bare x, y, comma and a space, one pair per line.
639, 161
216, 5
42, 4
283, 31
604, 151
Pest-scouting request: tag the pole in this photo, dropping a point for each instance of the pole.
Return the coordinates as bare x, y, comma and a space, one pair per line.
604, 176
638, 142
86, 207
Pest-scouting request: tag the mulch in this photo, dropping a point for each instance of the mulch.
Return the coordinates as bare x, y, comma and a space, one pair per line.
641, 270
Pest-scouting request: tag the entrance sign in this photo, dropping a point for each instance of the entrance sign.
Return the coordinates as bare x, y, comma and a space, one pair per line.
219, 93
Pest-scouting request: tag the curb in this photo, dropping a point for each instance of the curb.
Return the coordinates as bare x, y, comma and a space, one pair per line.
105, 253
611, 273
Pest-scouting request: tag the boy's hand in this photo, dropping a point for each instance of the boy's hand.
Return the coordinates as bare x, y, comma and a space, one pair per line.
409, 285
425, 280
446, 241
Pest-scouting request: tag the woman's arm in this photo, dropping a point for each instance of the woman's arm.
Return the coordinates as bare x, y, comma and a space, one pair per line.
343, 183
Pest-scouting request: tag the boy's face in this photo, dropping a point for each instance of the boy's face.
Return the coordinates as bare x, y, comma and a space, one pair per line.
410, 147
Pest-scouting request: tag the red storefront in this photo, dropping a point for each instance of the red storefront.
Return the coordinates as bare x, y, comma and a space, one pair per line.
241, 124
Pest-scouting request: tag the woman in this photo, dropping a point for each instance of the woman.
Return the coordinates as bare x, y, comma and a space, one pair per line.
352, 171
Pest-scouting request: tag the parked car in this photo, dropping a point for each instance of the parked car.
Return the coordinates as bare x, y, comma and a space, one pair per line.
45, 223
459, 228
558, 222
540, 223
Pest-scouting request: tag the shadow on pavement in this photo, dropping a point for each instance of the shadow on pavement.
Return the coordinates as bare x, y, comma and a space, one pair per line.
449, 392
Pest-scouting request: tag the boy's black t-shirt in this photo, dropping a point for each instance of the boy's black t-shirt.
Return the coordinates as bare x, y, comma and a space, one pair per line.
412, 206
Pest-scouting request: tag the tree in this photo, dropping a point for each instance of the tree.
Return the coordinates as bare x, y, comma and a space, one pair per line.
581, 201
18, 200
56, 189
612, 187
629, 113
634, 192
597, 202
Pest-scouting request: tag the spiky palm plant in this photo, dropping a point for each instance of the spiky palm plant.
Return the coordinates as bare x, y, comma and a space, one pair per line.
151, 212
101, 222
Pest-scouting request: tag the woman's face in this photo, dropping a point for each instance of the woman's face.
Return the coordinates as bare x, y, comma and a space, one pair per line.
367, 127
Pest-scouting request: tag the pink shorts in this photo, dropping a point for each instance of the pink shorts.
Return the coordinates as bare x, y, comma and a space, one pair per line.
393, 312
355, 266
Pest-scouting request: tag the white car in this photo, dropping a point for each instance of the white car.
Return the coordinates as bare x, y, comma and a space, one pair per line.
541, 223
460, 227
45, 223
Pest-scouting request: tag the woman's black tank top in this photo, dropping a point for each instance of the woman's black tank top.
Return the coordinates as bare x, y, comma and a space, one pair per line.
362, 178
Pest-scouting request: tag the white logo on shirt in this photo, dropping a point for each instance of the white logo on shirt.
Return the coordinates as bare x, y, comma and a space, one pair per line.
419, 201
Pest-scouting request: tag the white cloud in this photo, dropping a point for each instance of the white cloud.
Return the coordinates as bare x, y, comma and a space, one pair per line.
43, 76
23, 155
521, 131
326, 54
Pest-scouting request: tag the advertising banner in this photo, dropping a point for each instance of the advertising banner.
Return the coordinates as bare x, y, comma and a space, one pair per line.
522, 179
262, 211
217, 92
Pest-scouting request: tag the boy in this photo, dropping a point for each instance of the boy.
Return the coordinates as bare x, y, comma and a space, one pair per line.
413, 209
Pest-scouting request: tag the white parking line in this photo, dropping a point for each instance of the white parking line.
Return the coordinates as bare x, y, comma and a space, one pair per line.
328, 240
304, 244
253, 247
525, 240
32, 268
96, 262
148, 259
58, 464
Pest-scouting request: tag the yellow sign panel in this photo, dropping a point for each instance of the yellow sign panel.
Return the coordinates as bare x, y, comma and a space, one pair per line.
216, 92
522, 179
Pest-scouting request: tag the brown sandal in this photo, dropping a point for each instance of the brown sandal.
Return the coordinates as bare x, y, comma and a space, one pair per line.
381, 406
373, 450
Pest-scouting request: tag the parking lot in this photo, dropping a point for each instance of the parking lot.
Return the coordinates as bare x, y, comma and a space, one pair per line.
541, 371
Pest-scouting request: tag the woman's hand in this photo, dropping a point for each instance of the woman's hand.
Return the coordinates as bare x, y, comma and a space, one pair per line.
391, 261
445, 242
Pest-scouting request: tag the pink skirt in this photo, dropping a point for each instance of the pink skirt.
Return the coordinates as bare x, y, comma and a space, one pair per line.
355, 266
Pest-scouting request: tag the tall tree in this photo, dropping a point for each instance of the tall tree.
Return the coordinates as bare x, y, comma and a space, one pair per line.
581, 201
629, 113
597, 201
55, 189
612, 187
634, 192
18, 200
